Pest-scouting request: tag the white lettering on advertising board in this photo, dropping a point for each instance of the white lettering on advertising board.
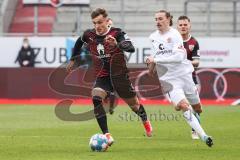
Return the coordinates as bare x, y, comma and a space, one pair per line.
54, 51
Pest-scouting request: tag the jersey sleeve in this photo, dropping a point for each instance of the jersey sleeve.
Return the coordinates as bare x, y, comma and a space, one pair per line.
78, 46
195, 51
121, 36
85, 37
178, 47
124, 42
154, 45
177, 42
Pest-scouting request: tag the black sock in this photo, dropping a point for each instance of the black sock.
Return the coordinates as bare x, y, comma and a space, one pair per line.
142, 113
100, 114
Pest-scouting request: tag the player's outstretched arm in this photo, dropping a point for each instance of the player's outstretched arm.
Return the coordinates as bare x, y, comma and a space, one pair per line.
151, 65
76, 52
151, 69
70, 65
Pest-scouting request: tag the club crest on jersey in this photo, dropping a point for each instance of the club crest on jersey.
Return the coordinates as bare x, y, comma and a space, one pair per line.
191, 47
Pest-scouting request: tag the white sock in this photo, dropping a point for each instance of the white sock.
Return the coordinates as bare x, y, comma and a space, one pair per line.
193, 122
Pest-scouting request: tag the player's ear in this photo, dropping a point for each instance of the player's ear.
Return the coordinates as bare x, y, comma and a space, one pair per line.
108, 19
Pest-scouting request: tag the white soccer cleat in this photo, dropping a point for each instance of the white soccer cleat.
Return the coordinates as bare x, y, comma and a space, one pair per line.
110, 139
194, 135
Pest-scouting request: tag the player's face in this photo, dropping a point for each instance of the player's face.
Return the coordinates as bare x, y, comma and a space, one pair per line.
162, 21
100, 24
184, 27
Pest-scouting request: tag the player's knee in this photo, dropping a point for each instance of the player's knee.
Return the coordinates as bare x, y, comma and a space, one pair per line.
182, 105
99, 92
197, 108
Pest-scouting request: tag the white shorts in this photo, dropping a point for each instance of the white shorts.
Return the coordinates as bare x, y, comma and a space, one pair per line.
183, 88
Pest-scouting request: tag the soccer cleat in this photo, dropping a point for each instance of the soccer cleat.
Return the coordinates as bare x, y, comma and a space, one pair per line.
110, 139
194, 135
148, 128
208, 140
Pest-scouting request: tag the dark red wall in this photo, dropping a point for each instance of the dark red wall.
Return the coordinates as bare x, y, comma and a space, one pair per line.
34, 83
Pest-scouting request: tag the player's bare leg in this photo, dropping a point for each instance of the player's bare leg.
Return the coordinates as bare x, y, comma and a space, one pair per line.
140, 111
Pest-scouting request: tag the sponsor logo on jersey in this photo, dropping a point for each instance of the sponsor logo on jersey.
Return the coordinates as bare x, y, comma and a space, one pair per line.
161, 46
101, 52
164, 52
100, 49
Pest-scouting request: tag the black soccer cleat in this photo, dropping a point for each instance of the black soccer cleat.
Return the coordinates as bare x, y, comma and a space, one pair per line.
111, 111
209, 141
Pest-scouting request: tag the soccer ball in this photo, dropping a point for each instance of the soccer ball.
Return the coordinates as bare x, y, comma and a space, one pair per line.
98, 142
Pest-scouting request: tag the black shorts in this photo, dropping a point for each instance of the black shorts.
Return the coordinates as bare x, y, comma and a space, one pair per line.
120, 84
104, 83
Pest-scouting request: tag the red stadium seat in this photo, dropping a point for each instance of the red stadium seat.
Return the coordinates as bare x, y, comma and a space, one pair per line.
23, 21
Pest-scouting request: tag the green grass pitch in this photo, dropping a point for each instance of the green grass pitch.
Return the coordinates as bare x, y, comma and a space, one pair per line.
30, 132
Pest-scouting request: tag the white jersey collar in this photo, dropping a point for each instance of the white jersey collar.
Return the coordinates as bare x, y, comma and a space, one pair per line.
105, 32
189, 37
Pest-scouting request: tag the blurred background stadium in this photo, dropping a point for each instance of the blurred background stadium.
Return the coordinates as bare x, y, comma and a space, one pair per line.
52, 27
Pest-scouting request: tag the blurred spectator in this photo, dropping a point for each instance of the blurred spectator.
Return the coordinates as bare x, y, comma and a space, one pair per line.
26, 56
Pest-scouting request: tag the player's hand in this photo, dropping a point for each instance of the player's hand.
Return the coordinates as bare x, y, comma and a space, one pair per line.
151, 69
69, 67
111, 40
151, 65
149, 60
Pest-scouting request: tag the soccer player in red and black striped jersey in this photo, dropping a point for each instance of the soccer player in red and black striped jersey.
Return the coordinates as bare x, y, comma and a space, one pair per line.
192, 48
107, 45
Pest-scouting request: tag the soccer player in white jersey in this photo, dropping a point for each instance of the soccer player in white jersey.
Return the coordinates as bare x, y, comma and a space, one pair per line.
192, 49
174, 70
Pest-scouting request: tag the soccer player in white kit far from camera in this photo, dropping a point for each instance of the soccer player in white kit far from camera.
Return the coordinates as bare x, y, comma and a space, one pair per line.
174, 70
